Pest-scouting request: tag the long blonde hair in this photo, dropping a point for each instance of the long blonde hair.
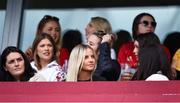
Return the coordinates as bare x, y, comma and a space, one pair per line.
76, 61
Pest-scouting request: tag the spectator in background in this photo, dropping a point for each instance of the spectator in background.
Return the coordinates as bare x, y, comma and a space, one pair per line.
71, 38
82, 63
143, 23
50, 25
14, 65
151, 57
172, 42
103, 25
45, 62
123, 36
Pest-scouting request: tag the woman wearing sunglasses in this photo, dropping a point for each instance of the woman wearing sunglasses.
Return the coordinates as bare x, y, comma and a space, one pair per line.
143, 23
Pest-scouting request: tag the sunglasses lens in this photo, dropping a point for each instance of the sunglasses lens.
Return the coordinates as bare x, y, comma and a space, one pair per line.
99, 34
153, 24
146, 23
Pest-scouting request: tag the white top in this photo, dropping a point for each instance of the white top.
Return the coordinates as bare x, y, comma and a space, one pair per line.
157, 77
113, 54
52, 72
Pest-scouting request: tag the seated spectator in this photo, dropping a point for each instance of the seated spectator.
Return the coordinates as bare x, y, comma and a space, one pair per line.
142, 23
44, 50
50, 25
151, 57
82, 63
103, 25
107, 69
14, 65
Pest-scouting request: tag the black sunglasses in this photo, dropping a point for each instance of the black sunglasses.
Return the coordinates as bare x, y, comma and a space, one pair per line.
146, 23
49, 17
99, 34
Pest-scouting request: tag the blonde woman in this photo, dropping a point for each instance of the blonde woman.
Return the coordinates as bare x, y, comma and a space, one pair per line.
82, 63
101, 24
98, 24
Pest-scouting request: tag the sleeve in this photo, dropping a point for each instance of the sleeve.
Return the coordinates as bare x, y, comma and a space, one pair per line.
106, 67
126, 55
63, 56
37, 78
121, 54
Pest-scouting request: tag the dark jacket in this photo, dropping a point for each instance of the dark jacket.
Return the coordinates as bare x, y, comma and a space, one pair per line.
107, 69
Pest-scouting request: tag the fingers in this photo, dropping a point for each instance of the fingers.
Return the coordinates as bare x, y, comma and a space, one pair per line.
106, 38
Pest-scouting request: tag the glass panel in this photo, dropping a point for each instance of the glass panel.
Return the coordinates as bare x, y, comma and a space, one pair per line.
2, 18
120, 18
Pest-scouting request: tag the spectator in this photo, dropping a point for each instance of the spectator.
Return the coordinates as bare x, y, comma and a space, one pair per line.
107, 68
50, 25
172, 42
103, 25
143, 23
123, 36
14, 65
151, 57
44, 50
71, 38
82, 63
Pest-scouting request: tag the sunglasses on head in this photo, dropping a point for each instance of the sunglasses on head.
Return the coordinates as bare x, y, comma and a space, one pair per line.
146, 23
48, 17
99, 33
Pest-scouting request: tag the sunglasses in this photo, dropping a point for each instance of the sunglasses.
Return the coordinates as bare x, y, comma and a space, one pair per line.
49, 17
99, 34
146, 23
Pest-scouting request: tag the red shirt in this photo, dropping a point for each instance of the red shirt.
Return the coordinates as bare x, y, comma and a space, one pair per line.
126, 55
64, 55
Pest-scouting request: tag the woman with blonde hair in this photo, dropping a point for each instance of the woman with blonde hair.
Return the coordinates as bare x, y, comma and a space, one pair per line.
82, 63
98, 24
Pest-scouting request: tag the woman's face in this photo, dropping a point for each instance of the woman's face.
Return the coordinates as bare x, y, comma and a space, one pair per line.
89, 60
146, 24
15, 64
136, 48
53, 29
45, 50
90, 29
94, 42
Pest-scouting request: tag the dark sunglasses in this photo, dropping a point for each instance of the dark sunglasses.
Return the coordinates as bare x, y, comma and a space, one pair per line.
49, 17
99, 33
146, 23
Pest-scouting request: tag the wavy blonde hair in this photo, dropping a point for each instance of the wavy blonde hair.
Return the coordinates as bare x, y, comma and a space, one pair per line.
76, 61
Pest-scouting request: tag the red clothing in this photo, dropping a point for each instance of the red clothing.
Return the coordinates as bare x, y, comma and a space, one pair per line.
167, 52
63, 56
126, 55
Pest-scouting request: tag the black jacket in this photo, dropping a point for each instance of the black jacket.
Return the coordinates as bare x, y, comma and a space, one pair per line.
107, 69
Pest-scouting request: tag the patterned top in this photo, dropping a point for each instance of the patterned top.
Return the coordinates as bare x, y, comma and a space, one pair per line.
52, 72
